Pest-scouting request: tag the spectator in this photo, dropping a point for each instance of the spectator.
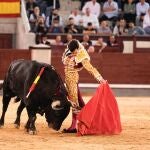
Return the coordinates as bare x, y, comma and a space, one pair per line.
91, 49
120, 28
88, 17
94, 7
71, 27
89, 29
110, 10
68, 38
34, 17
55, 27
112, 42
104, 28
44, 40
75, 15
86, 42
58, 41
141, 9
100, 42
146, 22
129, 11
30, 5
40, 26
135, 30
39, 29
51, 16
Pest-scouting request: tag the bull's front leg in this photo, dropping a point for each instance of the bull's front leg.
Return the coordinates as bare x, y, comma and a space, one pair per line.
30, 126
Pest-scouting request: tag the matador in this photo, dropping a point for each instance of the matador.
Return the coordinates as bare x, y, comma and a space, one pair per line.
75, 58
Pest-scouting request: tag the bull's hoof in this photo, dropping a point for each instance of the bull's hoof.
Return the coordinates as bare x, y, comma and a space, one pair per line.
17, 126
1, 126
31, 132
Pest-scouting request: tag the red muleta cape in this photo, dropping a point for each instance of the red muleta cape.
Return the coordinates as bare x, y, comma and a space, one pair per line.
101, 114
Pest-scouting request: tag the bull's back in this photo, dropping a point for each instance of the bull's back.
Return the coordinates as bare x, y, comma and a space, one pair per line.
23, 68
20, 75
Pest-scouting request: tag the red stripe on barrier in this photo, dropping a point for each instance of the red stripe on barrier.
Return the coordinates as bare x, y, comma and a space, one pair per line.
9, 15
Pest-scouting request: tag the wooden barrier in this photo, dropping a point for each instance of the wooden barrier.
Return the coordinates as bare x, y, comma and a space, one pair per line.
117, 68
142, 48
6, 41
8, 55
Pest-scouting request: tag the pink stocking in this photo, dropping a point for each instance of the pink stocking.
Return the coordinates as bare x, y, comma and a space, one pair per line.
74, 122
74, 116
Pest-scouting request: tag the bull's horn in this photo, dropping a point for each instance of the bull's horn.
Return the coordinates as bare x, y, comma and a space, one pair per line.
56, 105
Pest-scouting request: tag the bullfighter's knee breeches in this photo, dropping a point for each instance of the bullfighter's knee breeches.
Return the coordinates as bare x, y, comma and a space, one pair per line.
72, 91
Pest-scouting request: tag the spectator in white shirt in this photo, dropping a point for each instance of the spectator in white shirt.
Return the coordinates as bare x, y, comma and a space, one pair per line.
110, 10
94, 6
75, 15
88, 17
146, 22
141, 9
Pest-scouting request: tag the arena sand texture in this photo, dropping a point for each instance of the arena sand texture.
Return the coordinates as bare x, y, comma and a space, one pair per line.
135, 118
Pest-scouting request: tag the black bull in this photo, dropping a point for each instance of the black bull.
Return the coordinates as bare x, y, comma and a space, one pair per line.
49, 95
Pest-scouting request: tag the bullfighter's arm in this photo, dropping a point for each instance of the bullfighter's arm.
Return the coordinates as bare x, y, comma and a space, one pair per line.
87, 65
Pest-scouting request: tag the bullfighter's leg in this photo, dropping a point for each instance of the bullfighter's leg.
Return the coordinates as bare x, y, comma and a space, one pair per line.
30, 126
19, 111
6, 100
72, 128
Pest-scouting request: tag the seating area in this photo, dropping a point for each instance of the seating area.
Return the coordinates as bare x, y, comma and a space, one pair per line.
6, 42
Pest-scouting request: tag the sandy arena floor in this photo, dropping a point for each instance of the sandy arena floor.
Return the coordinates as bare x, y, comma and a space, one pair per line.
135, 117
